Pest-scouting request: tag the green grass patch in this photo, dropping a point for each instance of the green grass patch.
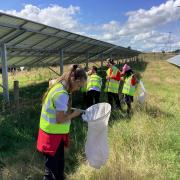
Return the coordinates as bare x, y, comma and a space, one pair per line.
146, 146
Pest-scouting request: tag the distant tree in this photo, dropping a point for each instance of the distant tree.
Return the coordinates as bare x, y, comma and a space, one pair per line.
129, 47
163, 52
177, 51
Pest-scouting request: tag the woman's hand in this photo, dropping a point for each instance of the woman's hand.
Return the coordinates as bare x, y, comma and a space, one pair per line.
76, 113
61, 117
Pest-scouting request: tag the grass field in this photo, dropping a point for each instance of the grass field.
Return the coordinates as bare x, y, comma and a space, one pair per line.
146, 146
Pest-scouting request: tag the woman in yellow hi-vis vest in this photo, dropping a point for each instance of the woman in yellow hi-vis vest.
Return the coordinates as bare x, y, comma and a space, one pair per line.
55, 121
113, 78
93, 87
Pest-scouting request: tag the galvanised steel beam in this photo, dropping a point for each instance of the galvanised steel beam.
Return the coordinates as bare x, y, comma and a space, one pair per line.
4, 72
52, 35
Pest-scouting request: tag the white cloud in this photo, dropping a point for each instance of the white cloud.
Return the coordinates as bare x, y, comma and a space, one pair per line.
144, 20
53, 15
140, 31
111, 26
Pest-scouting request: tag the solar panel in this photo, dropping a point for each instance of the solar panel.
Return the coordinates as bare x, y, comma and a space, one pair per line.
175, 60
26, 40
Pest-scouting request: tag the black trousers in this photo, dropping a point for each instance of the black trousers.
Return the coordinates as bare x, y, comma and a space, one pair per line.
128, 100
84, 101
54, 165
115, 97
92, 97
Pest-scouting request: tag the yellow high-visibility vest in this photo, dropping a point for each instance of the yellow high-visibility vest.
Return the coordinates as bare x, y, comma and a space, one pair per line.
48, 113
94, 81
111, 84
127, 87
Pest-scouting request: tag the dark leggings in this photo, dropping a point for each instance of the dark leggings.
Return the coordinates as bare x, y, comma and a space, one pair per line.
128, 100
114, 96
92, 97
54, 165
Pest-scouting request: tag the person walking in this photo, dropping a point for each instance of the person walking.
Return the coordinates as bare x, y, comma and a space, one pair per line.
93, 87
55, 121
129, 86
113, 78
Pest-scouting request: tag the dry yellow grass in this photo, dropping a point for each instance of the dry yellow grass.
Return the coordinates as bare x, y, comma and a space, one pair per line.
145, 147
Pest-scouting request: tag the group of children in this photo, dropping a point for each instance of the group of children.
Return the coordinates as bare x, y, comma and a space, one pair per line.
117, 82
56, 114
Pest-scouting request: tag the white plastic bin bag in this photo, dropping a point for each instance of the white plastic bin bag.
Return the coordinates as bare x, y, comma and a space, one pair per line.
96, 147
142, 95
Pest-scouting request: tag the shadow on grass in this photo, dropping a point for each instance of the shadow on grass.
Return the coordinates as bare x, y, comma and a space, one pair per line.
19, 132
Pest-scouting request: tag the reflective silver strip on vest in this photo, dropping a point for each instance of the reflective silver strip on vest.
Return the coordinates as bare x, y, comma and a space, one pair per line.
50, 120
56, 90
50, 111
53, 120
94, 81
47, 105
47, 109
114, 81
113, 89
127, 88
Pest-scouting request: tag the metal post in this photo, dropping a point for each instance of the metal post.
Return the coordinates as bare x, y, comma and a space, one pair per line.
16, 95
4, 72
61, 61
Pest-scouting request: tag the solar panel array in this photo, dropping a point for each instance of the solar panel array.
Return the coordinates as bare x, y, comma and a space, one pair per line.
31, 44
175, 60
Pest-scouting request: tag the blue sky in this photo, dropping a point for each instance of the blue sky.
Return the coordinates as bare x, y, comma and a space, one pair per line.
92, 10
142, 24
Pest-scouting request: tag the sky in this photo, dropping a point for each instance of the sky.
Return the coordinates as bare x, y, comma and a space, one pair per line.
145, 25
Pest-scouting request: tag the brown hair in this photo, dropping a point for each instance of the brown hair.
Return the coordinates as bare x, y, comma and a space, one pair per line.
75, 71
95, 68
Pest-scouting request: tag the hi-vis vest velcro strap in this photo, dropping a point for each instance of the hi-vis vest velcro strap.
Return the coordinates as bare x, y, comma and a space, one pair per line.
94, 81
128, 88
48, 114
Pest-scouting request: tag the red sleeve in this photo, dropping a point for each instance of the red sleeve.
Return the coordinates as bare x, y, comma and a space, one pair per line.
117, 77
133, 81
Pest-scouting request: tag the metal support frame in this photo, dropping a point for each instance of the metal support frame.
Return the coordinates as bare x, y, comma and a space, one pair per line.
36, 60
87, 60
90, 40
61, 53
67, 41
13, 34
4, 72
